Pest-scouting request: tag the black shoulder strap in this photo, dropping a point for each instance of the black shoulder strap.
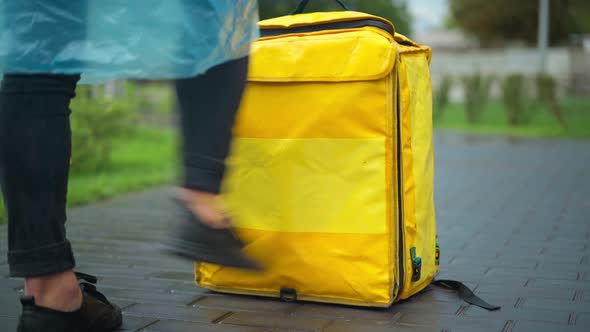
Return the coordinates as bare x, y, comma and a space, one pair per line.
465, 293
303, 3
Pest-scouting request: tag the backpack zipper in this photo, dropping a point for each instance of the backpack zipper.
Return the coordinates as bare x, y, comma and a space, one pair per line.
401, 253
271, 32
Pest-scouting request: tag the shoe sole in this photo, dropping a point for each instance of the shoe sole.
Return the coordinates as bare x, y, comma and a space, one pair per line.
230, 257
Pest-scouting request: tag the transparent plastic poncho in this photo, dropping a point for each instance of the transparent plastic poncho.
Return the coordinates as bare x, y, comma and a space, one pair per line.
113, 39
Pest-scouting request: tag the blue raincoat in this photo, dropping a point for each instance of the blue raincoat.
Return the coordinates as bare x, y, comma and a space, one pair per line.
112, 39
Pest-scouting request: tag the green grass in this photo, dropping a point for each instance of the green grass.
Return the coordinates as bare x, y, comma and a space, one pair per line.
2, 213
543, 124
144, 159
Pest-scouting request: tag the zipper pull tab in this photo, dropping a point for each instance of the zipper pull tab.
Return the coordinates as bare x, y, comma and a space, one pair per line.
416, 265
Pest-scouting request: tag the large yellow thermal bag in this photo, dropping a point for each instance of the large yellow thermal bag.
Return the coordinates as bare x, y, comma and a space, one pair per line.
330, 178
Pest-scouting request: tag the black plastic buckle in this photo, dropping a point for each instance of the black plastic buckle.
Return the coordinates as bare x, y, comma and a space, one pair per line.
416, 265
288, 295
437, 255
27, 300
416, 269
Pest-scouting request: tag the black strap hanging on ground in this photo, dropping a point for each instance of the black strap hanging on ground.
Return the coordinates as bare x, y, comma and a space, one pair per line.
465, 293
301, 6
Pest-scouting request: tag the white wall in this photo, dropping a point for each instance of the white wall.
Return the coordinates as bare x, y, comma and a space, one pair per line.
502, 62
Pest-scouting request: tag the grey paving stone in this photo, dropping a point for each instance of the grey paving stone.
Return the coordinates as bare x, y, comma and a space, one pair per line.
434, 295
557, 284
511, 313
554, 304
465, 277
472, 270
572, 259
123, 303
508, 280
248, 304
583, 296
187, 276
140, 262
153, 296
135, 284
530, 326
123, 271
575, 249
509, 272
335, 312
583, 321
410, 305
189, 288
184, 313
575, 268
11, 283
274, 320
9, 302
131, 323
467, 255
451, 322
466, 262
182, 326
8, 323
342, 326
10, 307
4, 271
528, 292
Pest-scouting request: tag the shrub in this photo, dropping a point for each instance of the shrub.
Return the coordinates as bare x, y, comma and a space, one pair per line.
477, 94
2, 211
96, 121
547, 95
514, 97
441, 97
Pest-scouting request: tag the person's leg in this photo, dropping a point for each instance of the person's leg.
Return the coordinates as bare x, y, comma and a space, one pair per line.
208, 106
35, 146
35, 151
34, 163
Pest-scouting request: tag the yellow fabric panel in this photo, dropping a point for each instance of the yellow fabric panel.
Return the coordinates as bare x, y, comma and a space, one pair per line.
354, 55
308, 185
418, 159
334, 113
422, 143
408, 182
407, 46
340, 268
314, 18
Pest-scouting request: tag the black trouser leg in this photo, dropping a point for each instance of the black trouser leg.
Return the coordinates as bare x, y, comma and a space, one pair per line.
208, 106
35, 147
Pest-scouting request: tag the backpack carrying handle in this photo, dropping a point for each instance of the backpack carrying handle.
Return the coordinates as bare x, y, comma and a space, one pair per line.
301, 6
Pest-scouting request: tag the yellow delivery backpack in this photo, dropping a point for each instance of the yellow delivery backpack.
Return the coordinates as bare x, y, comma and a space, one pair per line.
330, 178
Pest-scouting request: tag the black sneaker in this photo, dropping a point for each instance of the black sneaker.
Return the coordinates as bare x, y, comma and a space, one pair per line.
198, 242
96, 314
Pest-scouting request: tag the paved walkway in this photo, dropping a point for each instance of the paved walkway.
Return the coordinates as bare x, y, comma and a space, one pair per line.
513, 224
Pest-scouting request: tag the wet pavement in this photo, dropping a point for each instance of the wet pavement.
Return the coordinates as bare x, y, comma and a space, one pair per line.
513, 224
